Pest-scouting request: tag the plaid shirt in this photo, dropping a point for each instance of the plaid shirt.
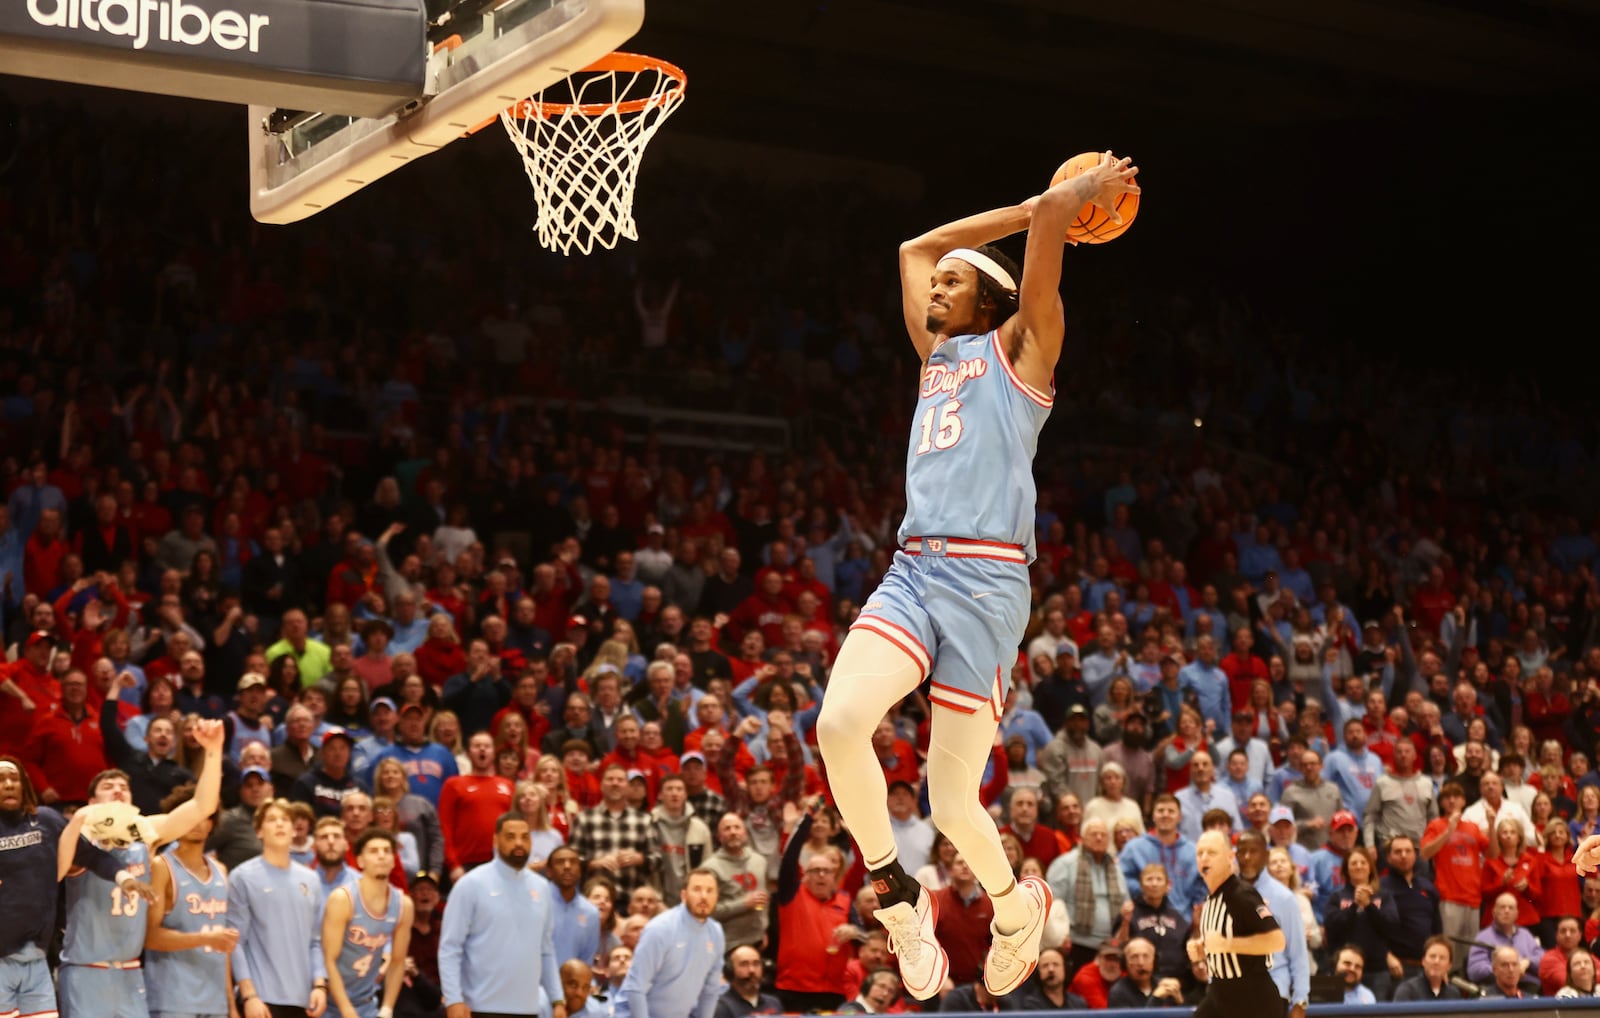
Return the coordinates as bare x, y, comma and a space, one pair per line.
709, 806
598, 831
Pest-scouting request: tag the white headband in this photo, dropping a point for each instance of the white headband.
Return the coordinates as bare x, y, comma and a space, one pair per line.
984, 264
7, 765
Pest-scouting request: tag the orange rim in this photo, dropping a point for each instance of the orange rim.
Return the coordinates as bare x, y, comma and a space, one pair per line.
530, 109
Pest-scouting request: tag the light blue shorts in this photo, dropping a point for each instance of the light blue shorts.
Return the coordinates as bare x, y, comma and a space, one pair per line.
25, 984
87, 992
957, 608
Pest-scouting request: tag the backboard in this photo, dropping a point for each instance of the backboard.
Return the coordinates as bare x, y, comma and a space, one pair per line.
482, 56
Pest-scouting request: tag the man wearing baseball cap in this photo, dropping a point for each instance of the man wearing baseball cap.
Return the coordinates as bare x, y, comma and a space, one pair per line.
325, 784
428, 764
1281, 832
1327, 862
382, 716
234, 839
250, 721
30, 677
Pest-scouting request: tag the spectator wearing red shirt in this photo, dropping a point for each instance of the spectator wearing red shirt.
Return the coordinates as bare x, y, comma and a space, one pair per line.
895, 755
469, 805
1432, 602
1242, 667
815, 938
43, 554
965, 915
1039, 842
1553, 966
65, 750
1560, 887
108, 542
582, 782
626, 754
1093, 981
764, 610
1545, 709
35, 692
1457, 849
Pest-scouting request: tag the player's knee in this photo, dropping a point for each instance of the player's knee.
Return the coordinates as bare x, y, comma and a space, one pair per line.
837, 726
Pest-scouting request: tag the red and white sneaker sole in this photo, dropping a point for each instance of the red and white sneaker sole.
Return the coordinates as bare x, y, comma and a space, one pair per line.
1044, 915
941, 963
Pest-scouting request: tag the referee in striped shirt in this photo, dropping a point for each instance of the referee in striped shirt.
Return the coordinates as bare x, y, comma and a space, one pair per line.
1239, 936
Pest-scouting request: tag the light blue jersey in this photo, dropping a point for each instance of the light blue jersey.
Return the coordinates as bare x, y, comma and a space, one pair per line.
957, 598
361, 954
99, 975
193, 981
969, 468
104, 923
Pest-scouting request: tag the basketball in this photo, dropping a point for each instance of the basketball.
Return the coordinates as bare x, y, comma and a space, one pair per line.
1093, 225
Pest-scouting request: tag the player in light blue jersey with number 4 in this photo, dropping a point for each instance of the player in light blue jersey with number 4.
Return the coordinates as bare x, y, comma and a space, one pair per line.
362, 924
952, 608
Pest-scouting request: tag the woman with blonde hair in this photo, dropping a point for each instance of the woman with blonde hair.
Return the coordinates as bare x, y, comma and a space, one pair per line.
414, 813
1124, 831
440, 655
935, 876
445, 729
1511, 866
1560, 887
387, 817
512, 730
612, 652
635, 664
550, 773
1015, 853
531, 801
1111, 805
1284, 871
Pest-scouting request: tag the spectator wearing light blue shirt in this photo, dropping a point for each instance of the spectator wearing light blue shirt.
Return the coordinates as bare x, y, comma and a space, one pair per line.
1209, 685
1101, 666
276, 906
1351, 966
577, 933
1290, 968
428, 764
1027, 724
627, 591
497, 942
1259, 756
677, 967
1355, 768
1203, 794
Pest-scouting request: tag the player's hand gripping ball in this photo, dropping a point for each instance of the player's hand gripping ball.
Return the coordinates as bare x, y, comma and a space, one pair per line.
1095, 222
116, 825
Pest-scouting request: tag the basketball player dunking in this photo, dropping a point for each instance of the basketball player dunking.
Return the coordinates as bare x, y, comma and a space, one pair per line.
953, 606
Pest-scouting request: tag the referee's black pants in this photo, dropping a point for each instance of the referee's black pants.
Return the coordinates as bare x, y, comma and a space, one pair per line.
1253, 998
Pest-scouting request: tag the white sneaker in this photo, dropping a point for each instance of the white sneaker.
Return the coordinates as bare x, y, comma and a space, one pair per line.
1012, 957
923, 963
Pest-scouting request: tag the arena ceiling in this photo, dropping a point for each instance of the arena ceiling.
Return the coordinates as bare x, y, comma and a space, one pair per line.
796, 68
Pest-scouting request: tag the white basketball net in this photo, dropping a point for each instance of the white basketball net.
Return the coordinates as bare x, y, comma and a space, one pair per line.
581, 141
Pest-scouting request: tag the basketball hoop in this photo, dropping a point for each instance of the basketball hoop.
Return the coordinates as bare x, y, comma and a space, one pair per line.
581, 140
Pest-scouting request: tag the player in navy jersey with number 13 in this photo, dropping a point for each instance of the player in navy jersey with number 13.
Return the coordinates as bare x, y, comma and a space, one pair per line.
953, 606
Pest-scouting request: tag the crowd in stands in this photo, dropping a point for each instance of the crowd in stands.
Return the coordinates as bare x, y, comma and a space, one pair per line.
275, 478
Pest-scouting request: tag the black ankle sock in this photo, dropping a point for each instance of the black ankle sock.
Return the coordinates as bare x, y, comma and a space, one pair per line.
893, 885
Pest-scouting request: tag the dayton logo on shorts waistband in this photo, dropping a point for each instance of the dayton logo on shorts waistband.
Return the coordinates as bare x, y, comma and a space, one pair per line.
939, 378
175, 21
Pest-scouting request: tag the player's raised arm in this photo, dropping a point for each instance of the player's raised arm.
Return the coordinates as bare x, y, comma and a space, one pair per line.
207, 793
918, 258
1035, 331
